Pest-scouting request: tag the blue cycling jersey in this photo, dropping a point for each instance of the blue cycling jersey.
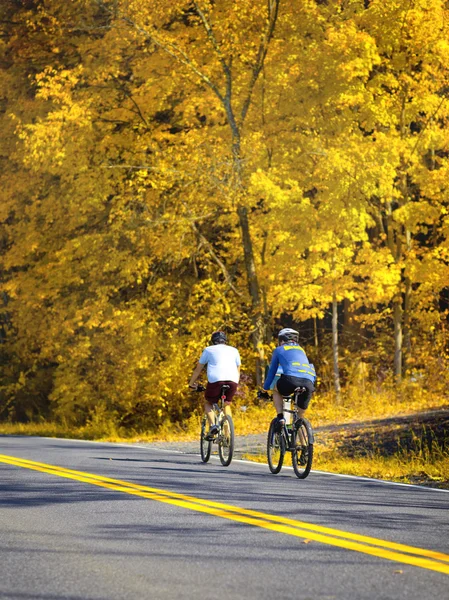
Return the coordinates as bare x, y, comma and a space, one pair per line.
293, 361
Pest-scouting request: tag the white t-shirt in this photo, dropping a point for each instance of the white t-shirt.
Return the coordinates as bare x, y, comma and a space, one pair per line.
222, 362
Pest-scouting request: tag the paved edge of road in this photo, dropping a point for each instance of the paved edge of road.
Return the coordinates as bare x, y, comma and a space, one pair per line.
246, 462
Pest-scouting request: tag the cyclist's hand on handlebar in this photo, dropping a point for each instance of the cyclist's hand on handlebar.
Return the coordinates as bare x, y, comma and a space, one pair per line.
263, 394
197, 387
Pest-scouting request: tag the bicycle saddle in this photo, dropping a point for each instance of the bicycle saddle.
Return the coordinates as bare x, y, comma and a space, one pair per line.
300, 390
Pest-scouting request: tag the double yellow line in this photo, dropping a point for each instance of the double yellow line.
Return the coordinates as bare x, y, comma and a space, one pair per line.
418, 557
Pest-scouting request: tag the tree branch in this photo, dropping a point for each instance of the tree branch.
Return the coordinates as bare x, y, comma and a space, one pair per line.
176, 53
273, 10
432, 116
213, 40
216, 258
129, 96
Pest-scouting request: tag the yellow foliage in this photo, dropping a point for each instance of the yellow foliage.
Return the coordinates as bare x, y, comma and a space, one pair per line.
171, 168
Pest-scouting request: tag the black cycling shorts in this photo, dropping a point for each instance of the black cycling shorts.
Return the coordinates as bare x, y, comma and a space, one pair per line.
287, 385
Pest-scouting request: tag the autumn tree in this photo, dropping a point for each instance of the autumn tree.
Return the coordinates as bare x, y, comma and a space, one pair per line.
369, 134
173, 168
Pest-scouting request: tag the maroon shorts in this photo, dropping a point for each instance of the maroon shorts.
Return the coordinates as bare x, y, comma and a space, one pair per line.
213, 391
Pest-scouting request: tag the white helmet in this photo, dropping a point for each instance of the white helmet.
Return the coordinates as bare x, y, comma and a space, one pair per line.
288, 335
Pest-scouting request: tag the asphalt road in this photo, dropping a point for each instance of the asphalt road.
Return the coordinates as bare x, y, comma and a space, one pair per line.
166, 526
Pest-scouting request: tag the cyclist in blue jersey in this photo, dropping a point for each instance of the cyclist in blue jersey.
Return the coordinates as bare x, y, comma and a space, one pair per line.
296, 372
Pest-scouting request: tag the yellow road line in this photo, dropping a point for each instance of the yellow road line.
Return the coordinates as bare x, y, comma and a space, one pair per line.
249, 512
419, 557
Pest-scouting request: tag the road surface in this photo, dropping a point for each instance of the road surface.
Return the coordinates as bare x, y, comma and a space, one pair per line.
83, 520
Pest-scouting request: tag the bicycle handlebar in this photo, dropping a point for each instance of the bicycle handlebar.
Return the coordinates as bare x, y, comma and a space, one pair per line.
199, 388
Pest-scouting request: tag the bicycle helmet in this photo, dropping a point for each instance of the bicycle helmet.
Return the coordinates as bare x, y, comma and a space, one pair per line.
219, 337
288, 335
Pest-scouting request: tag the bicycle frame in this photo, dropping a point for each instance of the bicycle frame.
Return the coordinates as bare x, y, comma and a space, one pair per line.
224, 436
219, 407
296, 438
287, 431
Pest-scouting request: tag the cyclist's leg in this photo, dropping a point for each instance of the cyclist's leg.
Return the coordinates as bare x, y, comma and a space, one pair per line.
227, 409
208, 409
278, 401
282, 389
300, 413
277, 398
211, 395
303, 403
230, 392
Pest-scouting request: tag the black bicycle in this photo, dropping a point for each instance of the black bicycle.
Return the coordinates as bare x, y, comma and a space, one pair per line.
224, 436
296, 438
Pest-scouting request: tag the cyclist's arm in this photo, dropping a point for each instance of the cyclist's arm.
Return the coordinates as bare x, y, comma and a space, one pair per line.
271, 371
237, 362
196, 373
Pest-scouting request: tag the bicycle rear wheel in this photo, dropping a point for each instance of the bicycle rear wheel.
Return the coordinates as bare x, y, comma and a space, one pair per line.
205, 445
302, 455
226, 441
275, 448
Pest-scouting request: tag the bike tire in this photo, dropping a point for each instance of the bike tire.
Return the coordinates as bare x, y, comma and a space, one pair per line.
275, 448
205, 445
226, 441
302, 455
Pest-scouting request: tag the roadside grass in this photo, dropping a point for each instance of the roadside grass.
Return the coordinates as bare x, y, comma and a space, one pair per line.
420, 461
374, 403
107, 431
357, 405
251, 419
402, 469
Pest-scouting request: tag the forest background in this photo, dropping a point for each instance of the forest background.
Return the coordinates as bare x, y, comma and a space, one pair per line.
170, 168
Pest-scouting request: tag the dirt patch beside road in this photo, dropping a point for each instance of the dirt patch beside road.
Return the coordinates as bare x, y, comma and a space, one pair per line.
425, 430
415, 448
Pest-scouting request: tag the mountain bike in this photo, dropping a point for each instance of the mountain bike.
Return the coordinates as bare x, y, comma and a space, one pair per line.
225, 434
296, 438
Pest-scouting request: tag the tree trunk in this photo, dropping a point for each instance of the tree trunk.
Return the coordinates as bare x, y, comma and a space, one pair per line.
395, 244
266, 312
346, 313
398, 311
258, 335
315, 332
397, 318
406, 323
335, 349
407, 307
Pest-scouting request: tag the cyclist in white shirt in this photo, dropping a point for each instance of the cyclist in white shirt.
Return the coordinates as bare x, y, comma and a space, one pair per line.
223, 367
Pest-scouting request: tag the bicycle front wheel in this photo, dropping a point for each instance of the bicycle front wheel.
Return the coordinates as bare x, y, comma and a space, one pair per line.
302, 455
205, 445
275, 448
226, 441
